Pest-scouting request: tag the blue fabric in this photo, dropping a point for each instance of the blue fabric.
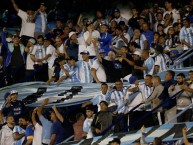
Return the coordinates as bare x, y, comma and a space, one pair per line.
46, 128
29, 132
149, 37
38, 22
59, 131
105, 42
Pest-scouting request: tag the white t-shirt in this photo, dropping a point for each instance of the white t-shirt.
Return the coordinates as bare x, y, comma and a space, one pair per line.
61, 49
90, 48
50, 50
118, 41
29, 61
37, 140
6, 136
27, 27
100, 72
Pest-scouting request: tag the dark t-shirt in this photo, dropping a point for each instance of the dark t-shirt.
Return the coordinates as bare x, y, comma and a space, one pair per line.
16, 58
126, 67
59, 131
72, 49
112, 70
136, 72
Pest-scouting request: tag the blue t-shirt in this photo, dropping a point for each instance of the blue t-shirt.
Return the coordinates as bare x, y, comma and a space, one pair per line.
58, 129
29, 133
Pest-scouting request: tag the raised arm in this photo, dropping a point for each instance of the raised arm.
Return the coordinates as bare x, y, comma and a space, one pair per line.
39, 110
58, 115
33, 116
15, 5
186, 142
96, 51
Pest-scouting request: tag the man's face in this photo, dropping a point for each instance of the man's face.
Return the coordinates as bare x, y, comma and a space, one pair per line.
116, 15
58, 24
16, 40
99, 15
186, 23
168, 5
111, 56
72, 62
168, 76
118, 32
52, 116
148, 81
136, 33
102, 55
58, 42
180, 80
85, 57
136, 57
10, 120
104, 89
89, 113
40, 41
73, 37
144, 55
134, 12
124, 50
47, 43
14, 97
190, 74
145, 27
30, 12
103, 107
42, 8
161, 40
66, 30
159, 17
22, 123
118, 85
103, 29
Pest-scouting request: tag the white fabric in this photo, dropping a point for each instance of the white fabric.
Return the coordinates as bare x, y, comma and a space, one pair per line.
118, 41
29, 61
50, 50
175, 15
37, 140
100, 72
90, 48
6, 136
61, 49
19, 130
120, 19
27, 28
39, 52
87, 124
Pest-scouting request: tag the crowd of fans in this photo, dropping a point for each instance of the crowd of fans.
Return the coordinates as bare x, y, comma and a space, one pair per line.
103, 50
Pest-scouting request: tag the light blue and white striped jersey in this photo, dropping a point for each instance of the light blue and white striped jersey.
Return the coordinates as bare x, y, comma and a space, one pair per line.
40, 22
163, 61
87, 127
145, 90
140, 41
149, 63
84, 71
73, 71
117, 97
39, 51
101, 97
187, 35
18, 129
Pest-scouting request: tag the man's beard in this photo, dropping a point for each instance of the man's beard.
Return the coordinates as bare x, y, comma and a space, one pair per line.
180, 83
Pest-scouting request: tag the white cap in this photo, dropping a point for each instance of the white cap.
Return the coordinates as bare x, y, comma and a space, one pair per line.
137, 53
14, 92
32, 40
71, 33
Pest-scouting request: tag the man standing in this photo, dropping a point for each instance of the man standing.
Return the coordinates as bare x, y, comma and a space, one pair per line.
28, 25
89, 35
97, 70
40, 21
184, 99
118, 17
6, 133
84, 68
103, 96
37, 55
29, 132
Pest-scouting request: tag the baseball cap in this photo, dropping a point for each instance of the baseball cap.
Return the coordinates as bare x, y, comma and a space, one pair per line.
14, 92
90, 107
137, 53
6, 95
116, 10
71, 33
85, 52
42, 4
101, 51
115, 140
32, 40
132, 79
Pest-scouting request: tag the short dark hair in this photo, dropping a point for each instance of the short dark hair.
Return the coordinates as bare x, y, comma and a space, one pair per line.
104, 102
158, 140
9, 116
172, 73
104, 84
148, 76
119, 28
118, 81
181, 75
40, 37
191, 71
134, 44
158, 78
